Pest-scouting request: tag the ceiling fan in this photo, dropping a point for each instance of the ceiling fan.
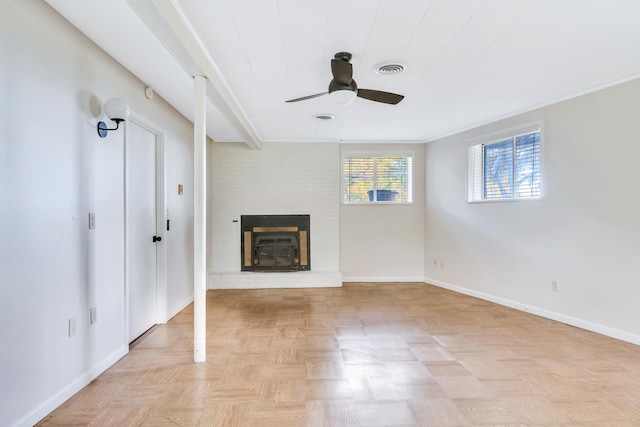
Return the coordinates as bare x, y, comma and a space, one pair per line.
344, 89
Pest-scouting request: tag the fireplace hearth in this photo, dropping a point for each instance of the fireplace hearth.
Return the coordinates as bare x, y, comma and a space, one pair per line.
275, 243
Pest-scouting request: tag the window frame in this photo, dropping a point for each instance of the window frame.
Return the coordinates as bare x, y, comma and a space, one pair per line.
378, 154
496, 137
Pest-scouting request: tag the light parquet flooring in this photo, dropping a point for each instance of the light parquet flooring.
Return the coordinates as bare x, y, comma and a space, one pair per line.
364, 355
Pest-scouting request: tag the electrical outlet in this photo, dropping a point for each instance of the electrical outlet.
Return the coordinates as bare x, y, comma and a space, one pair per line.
92, 220
554, 286
435, 262
93, 315
441, 263
73, 326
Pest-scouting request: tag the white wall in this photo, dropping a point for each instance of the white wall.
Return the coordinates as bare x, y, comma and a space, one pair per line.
583, 234
179, 239
281, 178
54, 170
384, 243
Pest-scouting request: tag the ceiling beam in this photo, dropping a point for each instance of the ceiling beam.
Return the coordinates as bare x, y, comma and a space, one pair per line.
219, 91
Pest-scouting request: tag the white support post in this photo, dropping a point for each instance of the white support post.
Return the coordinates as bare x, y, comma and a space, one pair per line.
199, 223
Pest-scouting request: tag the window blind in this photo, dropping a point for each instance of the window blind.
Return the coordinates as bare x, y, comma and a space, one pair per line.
505, 169
498, 170
527, 172
358, 175
373, 179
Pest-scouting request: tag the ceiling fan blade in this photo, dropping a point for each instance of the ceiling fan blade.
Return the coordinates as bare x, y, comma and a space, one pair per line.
308, 97
380, 96
342, 71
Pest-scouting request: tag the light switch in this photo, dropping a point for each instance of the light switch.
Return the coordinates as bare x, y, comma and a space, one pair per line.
92, 220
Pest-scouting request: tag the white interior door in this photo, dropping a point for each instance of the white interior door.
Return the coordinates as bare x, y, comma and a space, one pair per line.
141, 149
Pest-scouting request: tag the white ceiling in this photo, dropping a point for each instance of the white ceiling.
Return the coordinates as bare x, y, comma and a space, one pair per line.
469, 62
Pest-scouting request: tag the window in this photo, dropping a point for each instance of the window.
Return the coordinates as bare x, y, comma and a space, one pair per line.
506, 168
377, 179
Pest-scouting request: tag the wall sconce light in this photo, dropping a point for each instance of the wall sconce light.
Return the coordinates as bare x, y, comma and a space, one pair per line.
118, 111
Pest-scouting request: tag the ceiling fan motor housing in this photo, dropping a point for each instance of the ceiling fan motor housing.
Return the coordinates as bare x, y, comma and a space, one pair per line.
344, 56
334, 85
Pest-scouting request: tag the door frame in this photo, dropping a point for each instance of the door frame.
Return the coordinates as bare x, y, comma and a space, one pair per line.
161, 209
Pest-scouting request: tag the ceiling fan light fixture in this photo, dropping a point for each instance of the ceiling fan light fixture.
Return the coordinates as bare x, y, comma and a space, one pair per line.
343, 96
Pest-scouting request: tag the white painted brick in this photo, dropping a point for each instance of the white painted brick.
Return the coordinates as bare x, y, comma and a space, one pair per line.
280, 179
302, 279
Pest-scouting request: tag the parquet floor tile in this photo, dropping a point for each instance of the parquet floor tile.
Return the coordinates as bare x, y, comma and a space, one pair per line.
365, 354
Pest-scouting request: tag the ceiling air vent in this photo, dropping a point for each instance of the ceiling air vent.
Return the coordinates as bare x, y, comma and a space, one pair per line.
324, 116
387, 68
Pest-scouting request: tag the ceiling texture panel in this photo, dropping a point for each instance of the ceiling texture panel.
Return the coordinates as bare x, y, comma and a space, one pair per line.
468, 62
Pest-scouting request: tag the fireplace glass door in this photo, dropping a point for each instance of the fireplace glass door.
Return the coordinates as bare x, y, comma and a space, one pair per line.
275, 243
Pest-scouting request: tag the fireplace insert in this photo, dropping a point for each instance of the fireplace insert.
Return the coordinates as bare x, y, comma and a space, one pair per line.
275, 243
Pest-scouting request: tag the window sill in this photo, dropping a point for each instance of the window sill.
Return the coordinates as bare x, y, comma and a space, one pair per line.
521, 199
376, 203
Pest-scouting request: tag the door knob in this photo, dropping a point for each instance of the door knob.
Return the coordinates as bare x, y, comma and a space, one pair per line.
157, 239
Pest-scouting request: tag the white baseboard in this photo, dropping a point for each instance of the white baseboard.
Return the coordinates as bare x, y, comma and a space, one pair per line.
47, 407
383, 279
179, 307
300, 279
559, 317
